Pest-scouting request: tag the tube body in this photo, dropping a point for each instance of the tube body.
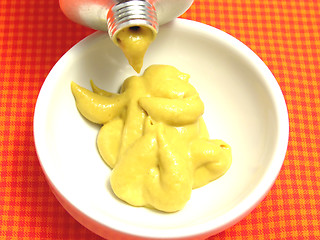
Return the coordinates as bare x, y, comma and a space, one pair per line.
95, 13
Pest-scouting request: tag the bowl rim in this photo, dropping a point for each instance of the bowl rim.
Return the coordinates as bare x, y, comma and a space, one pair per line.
259, 191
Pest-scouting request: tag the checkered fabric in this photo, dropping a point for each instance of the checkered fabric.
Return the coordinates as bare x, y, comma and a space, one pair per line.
34, 34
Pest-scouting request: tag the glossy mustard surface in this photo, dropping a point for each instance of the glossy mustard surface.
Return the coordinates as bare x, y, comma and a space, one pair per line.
154, 138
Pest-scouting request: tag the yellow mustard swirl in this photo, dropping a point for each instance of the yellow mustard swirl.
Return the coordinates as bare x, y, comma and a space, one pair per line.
154, 138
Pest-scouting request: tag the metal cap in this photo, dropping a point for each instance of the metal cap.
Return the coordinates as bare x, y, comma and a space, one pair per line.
131, 13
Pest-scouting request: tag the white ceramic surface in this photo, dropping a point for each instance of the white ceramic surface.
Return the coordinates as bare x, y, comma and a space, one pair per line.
244, 106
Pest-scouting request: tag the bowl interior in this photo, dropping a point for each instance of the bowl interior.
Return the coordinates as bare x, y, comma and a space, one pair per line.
244, 106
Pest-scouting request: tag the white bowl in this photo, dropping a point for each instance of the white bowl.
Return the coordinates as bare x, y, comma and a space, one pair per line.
244, 106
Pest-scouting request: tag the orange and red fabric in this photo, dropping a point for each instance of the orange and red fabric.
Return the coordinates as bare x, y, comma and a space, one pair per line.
34, 34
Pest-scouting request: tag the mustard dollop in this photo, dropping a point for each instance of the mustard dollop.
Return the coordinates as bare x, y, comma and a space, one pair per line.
154, 138
134, 42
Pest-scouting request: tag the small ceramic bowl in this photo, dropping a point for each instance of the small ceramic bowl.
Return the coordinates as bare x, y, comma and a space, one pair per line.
244, 106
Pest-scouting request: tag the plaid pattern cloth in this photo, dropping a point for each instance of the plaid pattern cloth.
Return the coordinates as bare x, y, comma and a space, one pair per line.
34, 34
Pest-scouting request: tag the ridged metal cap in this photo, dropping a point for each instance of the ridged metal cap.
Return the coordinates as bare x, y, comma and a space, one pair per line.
131, 13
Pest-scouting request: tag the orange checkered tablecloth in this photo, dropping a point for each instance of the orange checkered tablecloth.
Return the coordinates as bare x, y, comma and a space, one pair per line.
34, 34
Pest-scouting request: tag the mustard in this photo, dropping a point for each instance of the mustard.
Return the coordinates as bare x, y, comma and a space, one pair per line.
134, 42
154, 138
